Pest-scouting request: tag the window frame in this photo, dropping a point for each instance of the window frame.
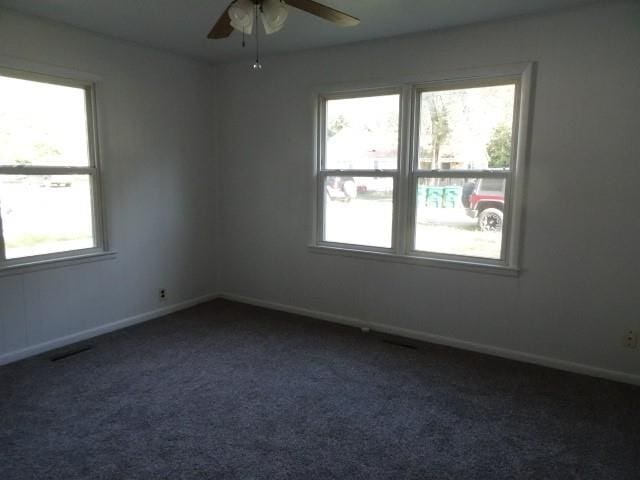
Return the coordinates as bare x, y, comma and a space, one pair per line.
323, 173
404, 211
92, 170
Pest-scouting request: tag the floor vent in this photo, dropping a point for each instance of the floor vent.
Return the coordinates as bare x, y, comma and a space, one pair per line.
68, 354
399, 344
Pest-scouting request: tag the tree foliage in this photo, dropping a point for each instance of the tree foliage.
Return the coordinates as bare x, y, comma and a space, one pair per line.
499, 147
336, 125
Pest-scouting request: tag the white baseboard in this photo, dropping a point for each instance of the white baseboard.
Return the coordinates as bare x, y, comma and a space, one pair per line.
330, 317
448, 341
94, 332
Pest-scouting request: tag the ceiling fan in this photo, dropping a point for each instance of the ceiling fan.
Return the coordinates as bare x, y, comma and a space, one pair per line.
241, 14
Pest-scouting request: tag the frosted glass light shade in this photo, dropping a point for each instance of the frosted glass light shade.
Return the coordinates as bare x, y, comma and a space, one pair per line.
274, 14
241, 13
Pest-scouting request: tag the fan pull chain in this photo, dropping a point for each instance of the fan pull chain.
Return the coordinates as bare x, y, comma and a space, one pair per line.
257, 65
243, 36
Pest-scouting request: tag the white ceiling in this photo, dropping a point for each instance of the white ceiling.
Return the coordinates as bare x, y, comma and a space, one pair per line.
181, 26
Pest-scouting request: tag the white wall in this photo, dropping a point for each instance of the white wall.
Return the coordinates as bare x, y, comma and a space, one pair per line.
155, 120
578, 290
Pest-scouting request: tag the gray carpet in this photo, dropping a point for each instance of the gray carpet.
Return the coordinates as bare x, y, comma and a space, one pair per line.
225, 390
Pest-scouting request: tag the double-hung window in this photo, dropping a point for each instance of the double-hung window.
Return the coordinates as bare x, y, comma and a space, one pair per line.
427, 173
49, 179
360, 165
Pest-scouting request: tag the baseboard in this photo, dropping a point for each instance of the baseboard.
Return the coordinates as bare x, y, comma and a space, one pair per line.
102, 329
330, 317
443, 340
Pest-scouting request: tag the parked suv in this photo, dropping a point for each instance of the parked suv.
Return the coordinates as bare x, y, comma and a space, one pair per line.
484, 200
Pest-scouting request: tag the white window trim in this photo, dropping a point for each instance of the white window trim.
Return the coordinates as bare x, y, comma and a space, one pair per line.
404, 212
21, 69
323, 173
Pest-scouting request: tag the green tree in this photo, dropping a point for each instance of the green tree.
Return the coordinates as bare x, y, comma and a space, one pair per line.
499, 147
336, 125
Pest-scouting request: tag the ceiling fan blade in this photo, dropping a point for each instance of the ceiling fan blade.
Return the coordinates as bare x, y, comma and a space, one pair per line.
322, 11
222, 28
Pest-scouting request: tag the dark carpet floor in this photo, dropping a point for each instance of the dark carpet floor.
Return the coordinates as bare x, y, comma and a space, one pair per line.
225, 390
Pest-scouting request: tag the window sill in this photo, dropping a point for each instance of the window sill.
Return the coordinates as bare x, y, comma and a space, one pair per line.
471, 266
49, 263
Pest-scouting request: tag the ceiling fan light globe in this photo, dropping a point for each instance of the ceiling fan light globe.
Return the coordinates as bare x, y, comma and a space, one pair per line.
274, 14
241, 13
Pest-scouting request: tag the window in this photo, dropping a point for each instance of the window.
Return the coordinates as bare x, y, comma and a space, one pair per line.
49, 181
361, 164
427, 173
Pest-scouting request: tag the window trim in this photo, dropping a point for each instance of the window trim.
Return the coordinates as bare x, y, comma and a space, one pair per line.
322, 173
15, 68
402, 249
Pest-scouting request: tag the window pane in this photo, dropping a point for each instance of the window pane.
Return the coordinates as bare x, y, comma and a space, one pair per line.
45, 214
466, 129
42, 124
460, 216
358, 210
362, 133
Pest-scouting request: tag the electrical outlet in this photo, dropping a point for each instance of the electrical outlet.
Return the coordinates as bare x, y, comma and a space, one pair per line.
630, 339
163, 293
